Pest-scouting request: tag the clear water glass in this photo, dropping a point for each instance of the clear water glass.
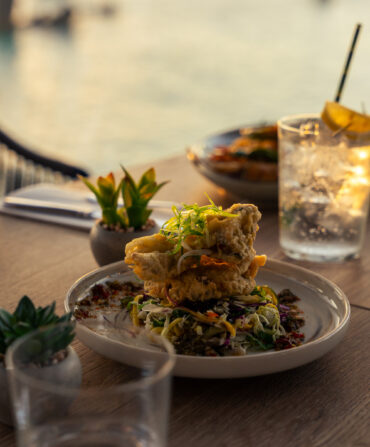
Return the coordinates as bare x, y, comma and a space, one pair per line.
127, 407
324, 179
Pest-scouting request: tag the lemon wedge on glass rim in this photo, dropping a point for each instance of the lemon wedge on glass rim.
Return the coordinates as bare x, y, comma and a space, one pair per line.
352, 124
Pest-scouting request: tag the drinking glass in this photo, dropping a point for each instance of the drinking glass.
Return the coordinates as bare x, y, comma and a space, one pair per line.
126, 407
323, 190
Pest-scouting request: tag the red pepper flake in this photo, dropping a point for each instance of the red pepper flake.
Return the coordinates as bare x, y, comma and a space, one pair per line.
99, 291
211, 314
81, 314
297, 335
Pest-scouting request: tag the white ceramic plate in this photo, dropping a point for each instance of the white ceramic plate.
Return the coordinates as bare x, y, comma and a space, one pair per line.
326, 311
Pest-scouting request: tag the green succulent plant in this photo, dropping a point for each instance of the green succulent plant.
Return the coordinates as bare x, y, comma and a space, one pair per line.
136, 196
107, 193
27, 318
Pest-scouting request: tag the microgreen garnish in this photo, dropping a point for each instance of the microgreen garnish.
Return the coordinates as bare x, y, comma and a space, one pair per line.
191, 220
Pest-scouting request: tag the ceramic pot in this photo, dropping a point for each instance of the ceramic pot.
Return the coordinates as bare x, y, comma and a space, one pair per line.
109, 246
68, 372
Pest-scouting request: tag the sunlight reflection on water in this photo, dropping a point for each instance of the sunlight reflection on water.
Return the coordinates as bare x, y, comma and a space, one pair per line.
148, 81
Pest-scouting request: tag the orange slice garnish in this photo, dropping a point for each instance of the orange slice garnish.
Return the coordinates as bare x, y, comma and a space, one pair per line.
342, 119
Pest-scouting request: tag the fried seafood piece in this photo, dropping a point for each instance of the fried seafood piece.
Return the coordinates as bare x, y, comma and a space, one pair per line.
205, 283
227, 238
149, 257
194, 286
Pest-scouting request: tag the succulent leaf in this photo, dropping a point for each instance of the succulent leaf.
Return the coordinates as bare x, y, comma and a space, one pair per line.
148, 189
117, 193
126, 193
107, 195
110, 178
25, 310
6, 320
27, 318
138, 216
129, 178
92, 189
45, 344
147, 177
137, 196
160, 185
122, 216
106, 187
66, 317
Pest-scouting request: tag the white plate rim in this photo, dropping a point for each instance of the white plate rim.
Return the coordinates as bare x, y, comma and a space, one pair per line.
298, 356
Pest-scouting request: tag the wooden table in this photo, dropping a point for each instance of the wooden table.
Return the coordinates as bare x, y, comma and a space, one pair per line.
324, 403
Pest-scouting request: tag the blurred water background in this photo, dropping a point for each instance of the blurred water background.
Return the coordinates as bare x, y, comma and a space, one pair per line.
139, 80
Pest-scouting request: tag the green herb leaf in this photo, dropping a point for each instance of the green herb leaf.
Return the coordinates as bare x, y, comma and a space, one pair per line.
178, 313
191, 220
262, 154
157, 323
254, 341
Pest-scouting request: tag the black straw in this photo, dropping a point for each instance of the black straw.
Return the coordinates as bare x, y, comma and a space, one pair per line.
346, 66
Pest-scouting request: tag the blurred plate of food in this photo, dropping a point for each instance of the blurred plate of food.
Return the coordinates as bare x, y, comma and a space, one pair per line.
243, 161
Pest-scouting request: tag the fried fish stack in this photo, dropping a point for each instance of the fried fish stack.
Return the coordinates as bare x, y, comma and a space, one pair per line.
217, 262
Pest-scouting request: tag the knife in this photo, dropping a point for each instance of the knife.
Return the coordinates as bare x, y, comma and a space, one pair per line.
43, 206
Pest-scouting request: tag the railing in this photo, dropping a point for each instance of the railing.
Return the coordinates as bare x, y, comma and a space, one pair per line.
20, 166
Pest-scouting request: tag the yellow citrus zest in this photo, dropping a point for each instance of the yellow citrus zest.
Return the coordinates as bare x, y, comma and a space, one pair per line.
340, 118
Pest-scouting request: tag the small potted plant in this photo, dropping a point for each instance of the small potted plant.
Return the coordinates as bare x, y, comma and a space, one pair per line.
54, 357
120, 224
